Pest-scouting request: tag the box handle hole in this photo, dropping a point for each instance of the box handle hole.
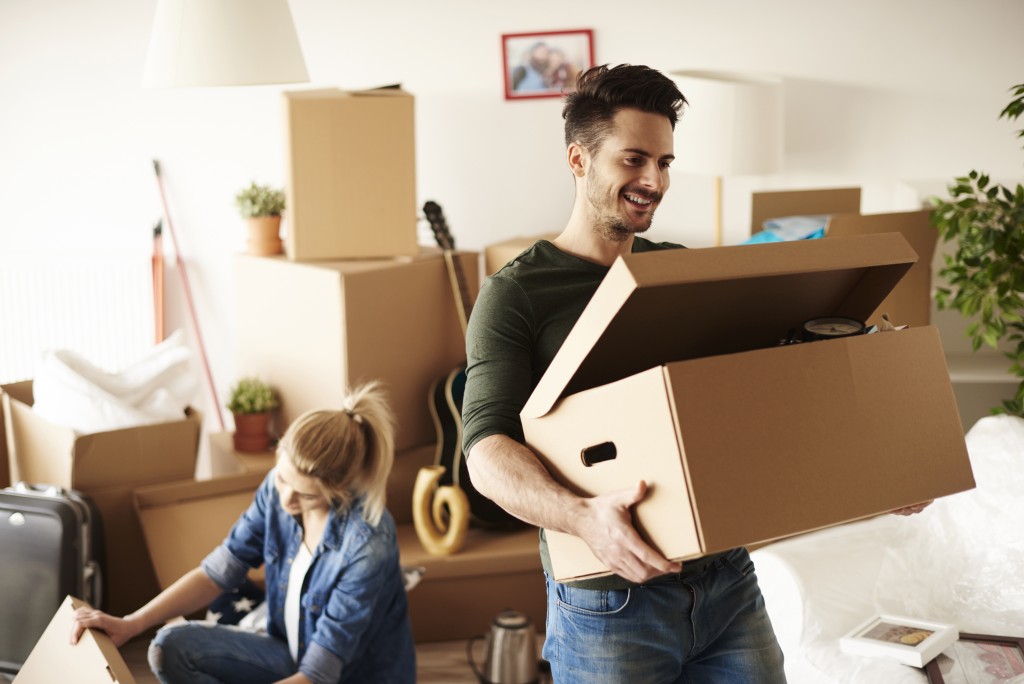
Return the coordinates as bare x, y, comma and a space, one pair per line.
599, 453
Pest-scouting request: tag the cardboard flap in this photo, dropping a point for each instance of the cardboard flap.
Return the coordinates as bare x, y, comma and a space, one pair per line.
93, 660
27, 434
184, 521
656, 307
770, 205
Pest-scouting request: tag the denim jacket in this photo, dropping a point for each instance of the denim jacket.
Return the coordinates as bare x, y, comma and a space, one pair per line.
354, 607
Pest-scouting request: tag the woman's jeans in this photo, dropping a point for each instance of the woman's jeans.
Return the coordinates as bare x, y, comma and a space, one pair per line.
705, 626
203, 653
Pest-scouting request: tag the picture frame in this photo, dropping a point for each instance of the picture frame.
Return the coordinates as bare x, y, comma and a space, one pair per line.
545, 63
978, 659
906, 640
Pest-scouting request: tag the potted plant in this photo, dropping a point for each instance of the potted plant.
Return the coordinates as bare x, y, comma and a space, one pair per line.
261, 206
252, 402
986, 273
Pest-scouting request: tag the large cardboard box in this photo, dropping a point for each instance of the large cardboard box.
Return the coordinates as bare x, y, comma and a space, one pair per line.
310, 329
221, 458
674, 375
184, 521
93, 660
498, 254
106, 466
351, 165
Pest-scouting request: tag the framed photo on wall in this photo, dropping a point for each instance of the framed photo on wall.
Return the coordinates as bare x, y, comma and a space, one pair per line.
979, 659
545, 64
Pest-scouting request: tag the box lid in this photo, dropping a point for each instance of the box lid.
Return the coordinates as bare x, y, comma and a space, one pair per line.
656, 307
93, 660
184, 521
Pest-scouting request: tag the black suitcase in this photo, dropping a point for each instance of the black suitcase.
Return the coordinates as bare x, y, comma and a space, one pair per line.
52, 544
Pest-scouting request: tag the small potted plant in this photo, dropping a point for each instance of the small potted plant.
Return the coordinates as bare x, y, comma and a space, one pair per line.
261, 206
252, 402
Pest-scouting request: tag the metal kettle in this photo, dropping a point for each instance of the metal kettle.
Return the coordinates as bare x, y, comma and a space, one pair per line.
510, 651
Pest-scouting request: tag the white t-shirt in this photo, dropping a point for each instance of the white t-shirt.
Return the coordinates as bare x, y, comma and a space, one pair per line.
293, 598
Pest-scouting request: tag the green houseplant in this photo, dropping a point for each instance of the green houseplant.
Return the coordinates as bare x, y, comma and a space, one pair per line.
262, 206
252, 402
986, 272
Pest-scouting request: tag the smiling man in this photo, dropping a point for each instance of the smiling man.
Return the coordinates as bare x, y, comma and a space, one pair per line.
653, 621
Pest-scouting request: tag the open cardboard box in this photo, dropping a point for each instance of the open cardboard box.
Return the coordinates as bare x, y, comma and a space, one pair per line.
93, 660
675, 376
910, 301
106, 466
184, 521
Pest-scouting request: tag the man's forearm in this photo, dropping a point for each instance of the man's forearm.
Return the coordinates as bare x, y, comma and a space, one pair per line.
512, 476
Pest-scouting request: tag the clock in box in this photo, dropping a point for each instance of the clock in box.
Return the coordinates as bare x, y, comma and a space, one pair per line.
674, 375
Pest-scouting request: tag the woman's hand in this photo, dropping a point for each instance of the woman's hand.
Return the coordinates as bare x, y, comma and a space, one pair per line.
118, 629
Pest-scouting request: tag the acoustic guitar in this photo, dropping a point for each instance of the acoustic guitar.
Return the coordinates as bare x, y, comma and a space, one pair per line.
445, 399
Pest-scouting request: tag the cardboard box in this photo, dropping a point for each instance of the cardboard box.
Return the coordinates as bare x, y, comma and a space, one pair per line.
184, 521
351, 174
910, 302
311, 329
460, 594
93, 660
500, 253
106, 466
769, 205
403, 479
742, 440
222, 459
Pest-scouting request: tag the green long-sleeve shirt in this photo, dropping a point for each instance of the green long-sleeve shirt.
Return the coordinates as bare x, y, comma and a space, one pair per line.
521, 318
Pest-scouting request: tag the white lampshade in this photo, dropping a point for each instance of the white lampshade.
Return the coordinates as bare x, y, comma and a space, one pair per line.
732, 126
223, 43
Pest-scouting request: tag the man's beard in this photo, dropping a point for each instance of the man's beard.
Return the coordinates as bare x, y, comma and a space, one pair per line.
614, 228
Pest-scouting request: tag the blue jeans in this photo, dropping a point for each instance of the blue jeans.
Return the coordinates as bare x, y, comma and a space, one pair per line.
202, 653
707, 626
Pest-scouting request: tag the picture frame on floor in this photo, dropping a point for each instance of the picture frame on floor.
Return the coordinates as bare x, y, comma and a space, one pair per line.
978, 659
906, 640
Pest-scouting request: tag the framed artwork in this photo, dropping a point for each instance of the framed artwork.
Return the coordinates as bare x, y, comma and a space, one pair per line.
905, 640
979, 659
545, 64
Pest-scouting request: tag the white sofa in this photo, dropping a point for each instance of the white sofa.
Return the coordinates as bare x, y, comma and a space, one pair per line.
960, 561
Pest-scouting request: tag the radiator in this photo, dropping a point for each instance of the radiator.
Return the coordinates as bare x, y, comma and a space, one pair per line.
97, 305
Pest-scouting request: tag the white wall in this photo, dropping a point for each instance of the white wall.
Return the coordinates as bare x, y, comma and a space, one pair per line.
877, 91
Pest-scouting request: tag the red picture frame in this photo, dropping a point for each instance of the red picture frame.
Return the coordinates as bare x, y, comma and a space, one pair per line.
978, 659
545, 63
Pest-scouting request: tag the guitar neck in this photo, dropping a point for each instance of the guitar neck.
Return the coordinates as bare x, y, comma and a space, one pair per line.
459, 288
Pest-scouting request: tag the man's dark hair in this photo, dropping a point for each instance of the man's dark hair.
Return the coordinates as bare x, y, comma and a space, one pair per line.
602, 91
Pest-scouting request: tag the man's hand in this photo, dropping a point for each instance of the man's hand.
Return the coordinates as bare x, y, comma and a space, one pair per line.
608, 530
912, 510
118, 629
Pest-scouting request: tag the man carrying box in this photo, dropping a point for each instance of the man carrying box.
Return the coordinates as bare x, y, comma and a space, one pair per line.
652, 620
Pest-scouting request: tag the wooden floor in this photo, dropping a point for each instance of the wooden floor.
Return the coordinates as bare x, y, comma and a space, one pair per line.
439, 663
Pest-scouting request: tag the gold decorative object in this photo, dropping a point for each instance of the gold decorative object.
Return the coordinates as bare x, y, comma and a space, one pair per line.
439, 514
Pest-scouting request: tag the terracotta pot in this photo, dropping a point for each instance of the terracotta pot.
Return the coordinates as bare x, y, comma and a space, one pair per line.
252, 432
264, 235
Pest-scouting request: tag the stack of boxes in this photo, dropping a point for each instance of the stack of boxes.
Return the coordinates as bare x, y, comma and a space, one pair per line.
356, 299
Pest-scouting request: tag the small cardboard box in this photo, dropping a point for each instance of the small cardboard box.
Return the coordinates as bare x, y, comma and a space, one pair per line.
351, 169
222, 459
184, 521
910, 302
674, 375
311, 329
106, 466
500, 253
93, 660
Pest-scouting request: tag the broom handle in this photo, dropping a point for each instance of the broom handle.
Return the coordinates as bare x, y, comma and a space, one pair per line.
188, 296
